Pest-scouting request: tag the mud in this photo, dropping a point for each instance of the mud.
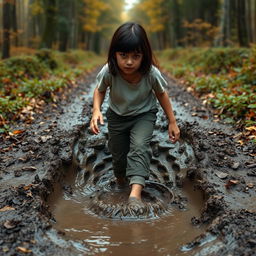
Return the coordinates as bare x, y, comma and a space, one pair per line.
34, 162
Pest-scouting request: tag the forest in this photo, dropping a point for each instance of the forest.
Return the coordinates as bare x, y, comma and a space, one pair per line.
88, 24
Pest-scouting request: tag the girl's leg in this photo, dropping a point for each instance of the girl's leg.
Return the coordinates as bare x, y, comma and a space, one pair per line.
119, 147
118, 143
139, 156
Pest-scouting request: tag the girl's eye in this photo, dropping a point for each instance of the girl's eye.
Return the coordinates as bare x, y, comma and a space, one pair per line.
122, 54
137, 56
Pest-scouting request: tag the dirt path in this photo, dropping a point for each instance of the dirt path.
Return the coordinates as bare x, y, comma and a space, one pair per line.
32, 162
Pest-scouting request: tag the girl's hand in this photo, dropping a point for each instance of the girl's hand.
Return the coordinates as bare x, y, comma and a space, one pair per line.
96, 116
174, 132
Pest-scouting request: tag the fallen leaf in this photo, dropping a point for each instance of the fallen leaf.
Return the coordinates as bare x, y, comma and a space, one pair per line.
17, 131
204, 117
250, 185
251, 165
27, 187
45, 138
5, 249
217, 197
29, 194
190, 89
231, 183
9, 224
29, 169
23, 249
251, 128
234, 182
240, 142
7, 208
238, 135
221, 175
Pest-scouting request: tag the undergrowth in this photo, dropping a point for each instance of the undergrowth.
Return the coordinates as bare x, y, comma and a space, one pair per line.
38, 76
224, 78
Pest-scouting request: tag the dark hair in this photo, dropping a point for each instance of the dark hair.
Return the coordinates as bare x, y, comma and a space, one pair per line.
127, 38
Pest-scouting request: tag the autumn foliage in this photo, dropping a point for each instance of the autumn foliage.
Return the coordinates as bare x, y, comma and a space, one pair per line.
224, 78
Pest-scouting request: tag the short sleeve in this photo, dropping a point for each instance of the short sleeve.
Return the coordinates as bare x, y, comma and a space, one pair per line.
158, 82
103, 79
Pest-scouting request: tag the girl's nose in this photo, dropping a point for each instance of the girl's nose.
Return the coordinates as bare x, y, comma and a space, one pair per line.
129, 61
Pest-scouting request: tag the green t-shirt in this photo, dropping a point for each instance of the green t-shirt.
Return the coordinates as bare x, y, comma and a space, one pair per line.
128, 99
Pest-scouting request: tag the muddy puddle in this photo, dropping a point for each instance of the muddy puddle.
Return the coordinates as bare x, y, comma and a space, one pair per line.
92, 213
97, 235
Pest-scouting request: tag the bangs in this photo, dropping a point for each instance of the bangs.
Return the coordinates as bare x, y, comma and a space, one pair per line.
129, 43
130, 37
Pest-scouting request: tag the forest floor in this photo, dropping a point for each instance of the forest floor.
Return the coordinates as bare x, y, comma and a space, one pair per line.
31, 160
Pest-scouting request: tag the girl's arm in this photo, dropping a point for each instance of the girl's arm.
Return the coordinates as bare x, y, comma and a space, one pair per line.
173, 129
98, 98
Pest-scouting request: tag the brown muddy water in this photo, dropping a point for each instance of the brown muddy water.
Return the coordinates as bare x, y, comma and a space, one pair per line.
101, 236
94, 235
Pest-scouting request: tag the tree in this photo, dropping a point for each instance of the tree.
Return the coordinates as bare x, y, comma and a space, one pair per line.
7, 11
14, 23
64, 25
50, 23
223, 38
100, 19
241, 24
36, 18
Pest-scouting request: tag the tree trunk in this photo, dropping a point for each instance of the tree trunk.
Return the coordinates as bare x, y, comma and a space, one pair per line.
50, 24
253, 20
248, 19
241, 24
7, 8
96, 42
177, 22
14, 23
74, 26
223, 39
64, 18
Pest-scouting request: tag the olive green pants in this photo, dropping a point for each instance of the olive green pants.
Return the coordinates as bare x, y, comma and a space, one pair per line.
129, 139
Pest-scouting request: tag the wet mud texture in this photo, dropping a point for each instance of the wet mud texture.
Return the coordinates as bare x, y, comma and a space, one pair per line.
95, 179
31, 164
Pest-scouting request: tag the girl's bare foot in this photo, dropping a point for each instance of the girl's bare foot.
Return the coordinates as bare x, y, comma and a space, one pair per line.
136, 191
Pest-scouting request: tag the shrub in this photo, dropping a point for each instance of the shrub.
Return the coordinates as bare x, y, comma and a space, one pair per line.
47, 57
24, 66
221, 60
226, 77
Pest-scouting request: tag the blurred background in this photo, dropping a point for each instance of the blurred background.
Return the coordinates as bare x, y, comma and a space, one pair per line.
89, 24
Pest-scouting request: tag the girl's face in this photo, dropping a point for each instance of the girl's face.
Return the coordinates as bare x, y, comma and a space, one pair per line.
129, 62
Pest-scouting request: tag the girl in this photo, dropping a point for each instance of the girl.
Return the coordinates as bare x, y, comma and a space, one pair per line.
135, 83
